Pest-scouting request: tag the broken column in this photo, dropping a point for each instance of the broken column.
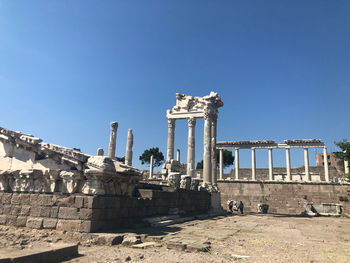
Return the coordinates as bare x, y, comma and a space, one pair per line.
151, 167
100, 152
129, 144
112, 139
178, 155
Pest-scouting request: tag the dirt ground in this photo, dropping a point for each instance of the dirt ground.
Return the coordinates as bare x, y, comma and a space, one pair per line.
247, 238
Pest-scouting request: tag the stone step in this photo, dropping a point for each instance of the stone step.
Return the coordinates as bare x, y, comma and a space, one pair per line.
172, 221
155, 219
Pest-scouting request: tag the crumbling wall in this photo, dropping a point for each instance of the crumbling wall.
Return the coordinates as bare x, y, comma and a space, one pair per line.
83, 213
284, 197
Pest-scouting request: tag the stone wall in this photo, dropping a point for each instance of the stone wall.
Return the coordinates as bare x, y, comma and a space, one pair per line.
283, 197
83, 213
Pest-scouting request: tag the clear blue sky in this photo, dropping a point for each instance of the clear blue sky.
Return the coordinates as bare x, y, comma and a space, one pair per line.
69, 68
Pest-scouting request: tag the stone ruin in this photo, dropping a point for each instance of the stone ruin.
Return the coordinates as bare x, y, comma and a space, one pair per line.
27, 164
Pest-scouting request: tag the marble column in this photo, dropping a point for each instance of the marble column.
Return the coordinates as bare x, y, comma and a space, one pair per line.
207, 179
151, 167
289, 175
178, 155
237, 164
129, 144
253, 165
346, 166
221, 164
326, 170
112, 139
306, 163
191, 146
214, 169
171, 139
270, 165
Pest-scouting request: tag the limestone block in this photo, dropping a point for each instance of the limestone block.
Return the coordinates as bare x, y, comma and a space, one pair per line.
174, 179
94, 183
68, 213
33, 222
4, 181
185, 182
49, 223
21, 221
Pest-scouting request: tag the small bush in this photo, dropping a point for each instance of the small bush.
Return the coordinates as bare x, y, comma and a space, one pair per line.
343, 199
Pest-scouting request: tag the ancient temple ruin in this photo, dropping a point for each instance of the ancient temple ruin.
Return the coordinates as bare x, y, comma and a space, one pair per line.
193, 108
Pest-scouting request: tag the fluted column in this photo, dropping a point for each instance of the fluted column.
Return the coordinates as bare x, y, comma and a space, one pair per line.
207, 150
213, 150
289, 176
191, 146
151, 167
171, 139
237, 164
306, 163
270, 165
112, 139
129, 144
253, 165
221, 164
326, 170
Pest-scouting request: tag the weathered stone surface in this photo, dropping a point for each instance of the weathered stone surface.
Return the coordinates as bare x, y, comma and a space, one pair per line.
146, 245
49, 223
33, 222
68, 213
130, 240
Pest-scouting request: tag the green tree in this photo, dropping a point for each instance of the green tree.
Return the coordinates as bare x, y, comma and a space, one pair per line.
158, 157
228, 159
344, 155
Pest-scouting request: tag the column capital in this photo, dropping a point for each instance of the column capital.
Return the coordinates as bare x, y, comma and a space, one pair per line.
171, 123
191, 122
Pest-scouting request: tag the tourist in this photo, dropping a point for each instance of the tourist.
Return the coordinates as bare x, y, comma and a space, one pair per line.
241, 206
230, 205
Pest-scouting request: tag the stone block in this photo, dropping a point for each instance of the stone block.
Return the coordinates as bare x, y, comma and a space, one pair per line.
54, 212
3, 219
25, 199
65, 201
79, 201
21, 221
16, 200
68, 213
25, 211
46, 200
6, 209
33, 222
86, 214
11, 220
15, 210
6, 199
33, 198
49, 223
71, 225
40, 211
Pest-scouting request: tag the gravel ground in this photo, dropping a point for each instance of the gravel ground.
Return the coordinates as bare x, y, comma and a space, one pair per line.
247, 238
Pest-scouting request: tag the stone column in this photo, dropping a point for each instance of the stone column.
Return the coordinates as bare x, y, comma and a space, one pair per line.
191, 146
178, 155
171, 138
221, 164
214, 170
326, 171
237, 164
207, 150
151, 167
289, 176
346, 166
253, 165
270, 165
112, 139
129, 144
306, 163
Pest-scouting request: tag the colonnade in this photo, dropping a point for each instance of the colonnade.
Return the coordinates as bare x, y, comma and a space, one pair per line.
288, 164
209, 154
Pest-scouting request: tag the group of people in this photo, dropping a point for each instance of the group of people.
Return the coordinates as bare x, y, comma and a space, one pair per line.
232, 205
